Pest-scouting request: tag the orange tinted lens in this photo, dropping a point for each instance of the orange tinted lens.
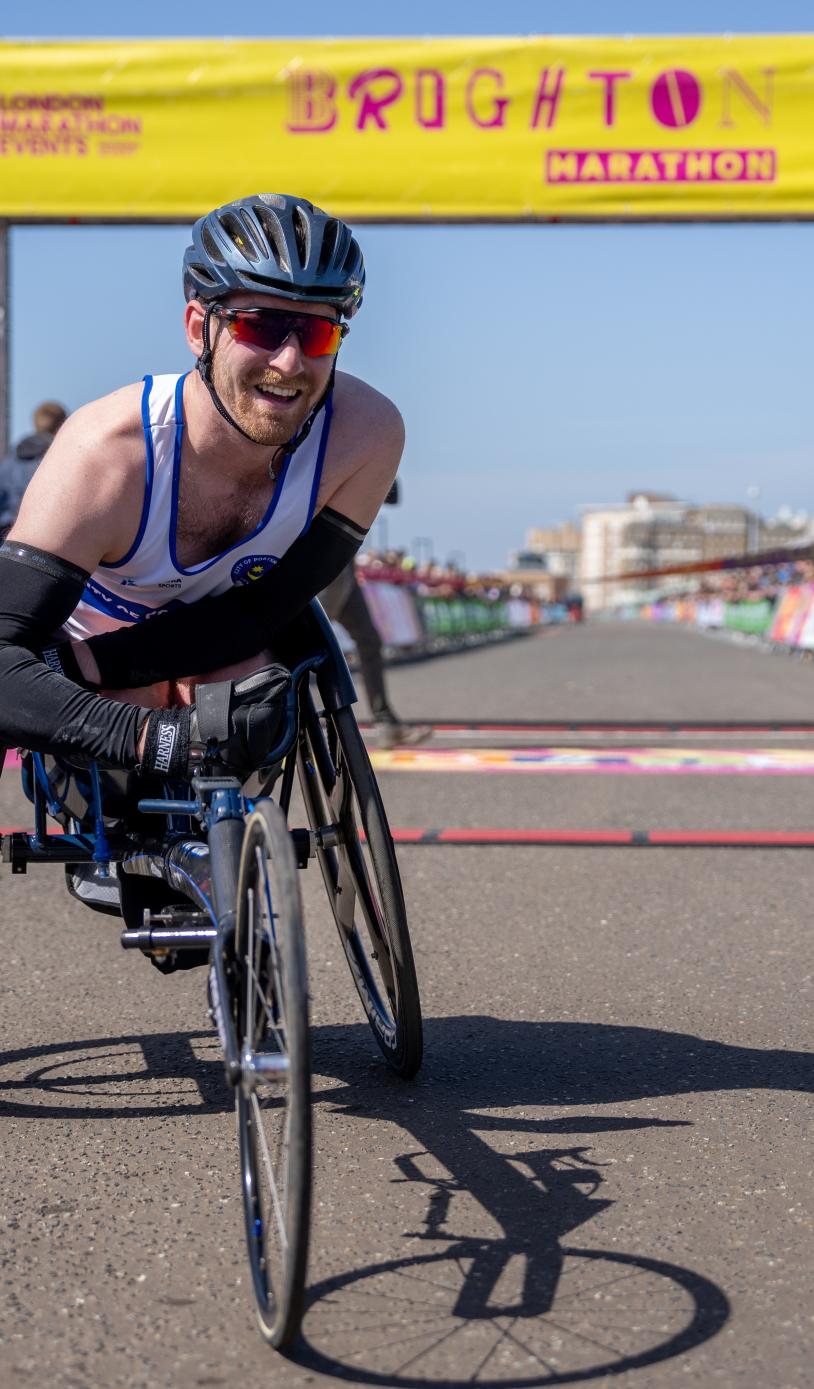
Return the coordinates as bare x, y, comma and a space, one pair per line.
269, 329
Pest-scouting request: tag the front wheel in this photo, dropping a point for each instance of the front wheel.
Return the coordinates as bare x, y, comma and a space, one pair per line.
362, 879
274, 1096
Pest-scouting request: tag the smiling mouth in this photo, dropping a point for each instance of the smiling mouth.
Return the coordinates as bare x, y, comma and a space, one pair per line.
281, 395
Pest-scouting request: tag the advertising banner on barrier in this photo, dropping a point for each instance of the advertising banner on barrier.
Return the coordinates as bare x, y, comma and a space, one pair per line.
754, 617
792, 614
785, 616
710, 613
411, 129
394, 612
805, 636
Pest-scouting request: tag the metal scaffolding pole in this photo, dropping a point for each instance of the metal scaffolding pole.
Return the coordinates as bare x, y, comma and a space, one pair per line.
5, 344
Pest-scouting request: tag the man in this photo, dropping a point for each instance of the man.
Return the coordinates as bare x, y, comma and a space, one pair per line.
173, 528
17, 470
344, 602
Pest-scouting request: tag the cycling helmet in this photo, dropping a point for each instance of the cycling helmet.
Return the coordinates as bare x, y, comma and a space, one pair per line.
276, 244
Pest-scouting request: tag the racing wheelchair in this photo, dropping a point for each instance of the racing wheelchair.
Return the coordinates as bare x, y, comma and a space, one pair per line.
207, 873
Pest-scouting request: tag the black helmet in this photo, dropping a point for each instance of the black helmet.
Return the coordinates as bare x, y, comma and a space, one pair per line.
279, 245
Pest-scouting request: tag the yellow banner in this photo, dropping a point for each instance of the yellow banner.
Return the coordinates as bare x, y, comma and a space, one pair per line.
471, 129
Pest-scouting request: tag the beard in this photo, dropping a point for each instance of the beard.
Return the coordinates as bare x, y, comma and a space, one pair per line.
260, 422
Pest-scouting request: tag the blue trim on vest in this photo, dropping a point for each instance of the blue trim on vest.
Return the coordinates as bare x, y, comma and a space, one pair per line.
148, 481
323, 444
176, 478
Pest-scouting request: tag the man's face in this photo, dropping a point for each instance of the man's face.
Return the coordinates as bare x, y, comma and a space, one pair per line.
255, 384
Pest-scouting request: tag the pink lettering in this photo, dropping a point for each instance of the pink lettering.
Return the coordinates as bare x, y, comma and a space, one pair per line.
547, 98
610, 79
675, 98
429, 98
661, 166
313, 105
732, 81
371, 104
497, 115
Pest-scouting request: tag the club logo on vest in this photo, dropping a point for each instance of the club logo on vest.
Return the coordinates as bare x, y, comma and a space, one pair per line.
252, 567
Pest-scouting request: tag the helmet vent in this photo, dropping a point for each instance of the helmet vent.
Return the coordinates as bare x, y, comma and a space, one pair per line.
274, 236
211, 247
352, 258
203, 276
240, 236
328, 247
302, 234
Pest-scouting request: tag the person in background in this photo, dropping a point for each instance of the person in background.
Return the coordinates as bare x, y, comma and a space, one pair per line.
344, 601
17, 470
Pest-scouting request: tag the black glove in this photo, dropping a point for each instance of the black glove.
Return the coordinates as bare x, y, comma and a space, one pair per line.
236, 722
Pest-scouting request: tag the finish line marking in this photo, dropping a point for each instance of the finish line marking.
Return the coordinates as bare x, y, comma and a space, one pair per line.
635, 761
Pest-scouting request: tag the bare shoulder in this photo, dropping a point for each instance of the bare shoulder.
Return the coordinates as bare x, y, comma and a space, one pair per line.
84, 501
366, 444
362, 412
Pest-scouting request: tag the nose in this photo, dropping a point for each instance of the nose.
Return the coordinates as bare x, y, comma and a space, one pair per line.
288, 358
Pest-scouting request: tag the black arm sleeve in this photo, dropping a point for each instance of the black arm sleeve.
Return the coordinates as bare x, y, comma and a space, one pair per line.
219, 631
40, 709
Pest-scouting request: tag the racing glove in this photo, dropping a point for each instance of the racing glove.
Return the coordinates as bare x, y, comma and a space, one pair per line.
234, 722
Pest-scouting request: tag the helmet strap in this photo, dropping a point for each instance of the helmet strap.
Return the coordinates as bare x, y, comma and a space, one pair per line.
286, 450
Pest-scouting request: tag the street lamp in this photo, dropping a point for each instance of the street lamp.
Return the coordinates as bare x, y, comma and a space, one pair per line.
752, 519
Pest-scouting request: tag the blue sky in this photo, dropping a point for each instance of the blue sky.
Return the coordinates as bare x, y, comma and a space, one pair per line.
595, 360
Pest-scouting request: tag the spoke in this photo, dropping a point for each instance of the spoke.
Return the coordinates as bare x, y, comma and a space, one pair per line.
430, 1282
365, 1328
592, 1287
405, 1365
533, 1353
504, 1332
279, 1036
247, 1038
402, 1340
580, 1335
365, 1292
275, 1195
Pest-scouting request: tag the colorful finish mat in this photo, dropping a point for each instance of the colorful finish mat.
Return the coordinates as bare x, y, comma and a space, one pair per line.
638, 761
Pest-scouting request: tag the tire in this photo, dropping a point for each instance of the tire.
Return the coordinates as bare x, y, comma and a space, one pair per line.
273, 1114
362, 880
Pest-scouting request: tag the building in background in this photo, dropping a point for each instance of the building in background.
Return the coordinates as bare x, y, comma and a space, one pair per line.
548, 565
652, 530
558, 547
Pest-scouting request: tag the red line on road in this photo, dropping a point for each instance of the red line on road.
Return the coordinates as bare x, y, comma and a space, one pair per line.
519, 836
605, 726
632, 839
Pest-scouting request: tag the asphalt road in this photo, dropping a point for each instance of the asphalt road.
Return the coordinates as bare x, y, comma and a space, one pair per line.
603, 1172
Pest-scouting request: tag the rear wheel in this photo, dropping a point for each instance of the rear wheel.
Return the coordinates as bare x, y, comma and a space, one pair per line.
273, 1099
362, 879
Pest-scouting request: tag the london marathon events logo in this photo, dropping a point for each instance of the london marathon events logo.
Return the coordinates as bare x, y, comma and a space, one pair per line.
38, 125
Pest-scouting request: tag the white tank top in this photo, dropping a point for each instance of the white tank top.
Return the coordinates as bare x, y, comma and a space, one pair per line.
150, 578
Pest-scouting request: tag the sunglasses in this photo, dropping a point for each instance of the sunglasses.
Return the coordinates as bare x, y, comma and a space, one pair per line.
270, 328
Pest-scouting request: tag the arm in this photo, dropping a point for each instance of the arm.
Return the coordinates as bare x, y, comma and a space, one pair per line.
40, 709
74, 513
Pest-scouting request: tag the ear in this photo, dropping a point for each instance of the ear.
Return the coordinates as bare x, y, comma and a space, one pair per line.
193, 324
